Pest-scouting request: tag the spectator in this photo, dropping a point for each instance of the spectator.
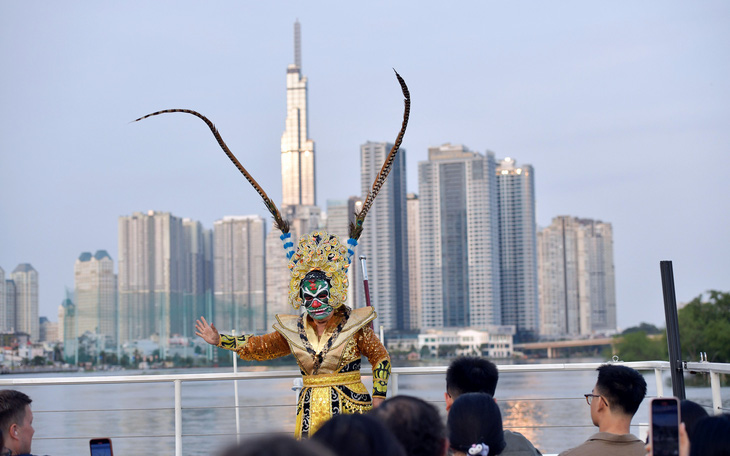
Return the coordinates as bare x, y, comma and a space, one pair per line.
613, 402
16, 422
711, 436
277, 445
471, 374
358, 435
691, 413
475, 424
416, 424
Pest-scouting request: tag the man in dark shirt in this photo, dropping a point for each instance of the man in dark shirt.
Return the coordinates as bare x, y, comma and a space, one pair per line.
471, 374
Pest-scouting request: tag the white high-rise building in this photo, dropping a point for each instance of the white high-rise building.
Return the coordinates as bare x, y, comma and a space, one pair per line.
577, 290
198, 294
384, 240
152, 273
95, 286
298, 204
340, 213
459, 239
297, 150
518, 247
25, 278
414, 261
240, 281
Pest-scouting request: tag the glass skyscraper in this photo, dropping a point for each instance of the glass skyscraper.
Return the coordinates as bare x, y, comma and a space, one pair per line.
459, 248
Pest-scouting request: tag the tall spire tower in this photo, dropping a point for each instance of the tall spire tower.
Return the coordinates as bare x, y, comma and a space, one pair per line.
297, 150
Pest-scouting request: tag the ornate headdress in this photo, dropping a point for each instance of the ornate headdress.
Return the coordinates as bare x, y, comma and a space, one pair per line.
318, 250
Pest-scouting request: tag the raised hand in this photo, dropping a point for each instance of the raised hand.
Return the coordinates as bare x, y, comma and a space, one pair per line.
207, 331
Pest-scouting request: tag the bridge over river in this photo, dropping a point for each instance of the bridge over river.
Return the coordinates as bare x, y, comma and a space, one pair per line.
553, 346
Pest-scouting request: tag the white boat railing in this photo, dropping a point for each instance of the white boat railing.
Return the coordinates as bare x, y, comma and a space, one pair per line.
713, 369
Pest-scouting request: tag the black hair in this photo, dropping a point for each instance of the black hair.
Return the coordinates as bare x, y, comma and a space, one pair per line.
415, 423
358, 435
475, 419
691, 413
277, 445
471, 374
623, 388
12, 408
711, 436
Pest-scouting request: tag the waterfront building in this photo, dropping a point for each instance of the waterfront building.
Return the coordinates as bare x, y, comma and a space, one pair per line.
10, 305
152, 267
414, 263
493, 341
459, 248
340, 213
25, 279
384, 240
49, 330
240, 279
67, 330
577, 291
198, 293
4, 326
95, 289
518, 247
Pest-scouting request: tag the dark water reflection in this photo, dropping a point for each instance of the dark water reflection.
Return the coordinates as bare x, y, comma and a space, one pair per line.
548, 408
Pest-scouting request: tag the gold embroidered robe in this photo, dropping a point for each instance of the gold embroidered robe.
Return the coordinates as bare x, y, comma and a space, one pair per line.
336, 386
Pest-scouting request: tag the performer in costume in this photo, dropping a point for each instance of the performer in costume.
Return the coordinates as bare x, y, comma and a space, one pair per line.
328, 339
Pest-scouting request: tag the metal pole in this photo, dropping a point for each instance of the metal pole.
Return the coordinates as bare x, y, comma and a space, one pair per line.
365, 283
235, 394
670, 315
178, 418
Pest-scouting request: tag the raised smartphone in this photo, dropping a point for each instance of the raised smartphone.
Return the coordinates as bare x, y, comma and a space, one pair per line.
101, 447
664, 421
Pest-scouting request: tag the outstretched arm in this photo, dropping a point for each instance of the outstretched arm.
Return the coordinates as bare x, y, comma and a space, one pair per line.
248, 347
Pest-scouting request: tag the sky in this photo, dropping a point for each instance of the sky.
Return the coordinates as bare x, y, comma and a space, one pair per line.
622, 108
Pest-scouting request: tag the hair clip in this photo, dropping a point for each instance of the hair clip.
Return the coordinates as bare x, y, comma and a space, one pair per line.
479, 449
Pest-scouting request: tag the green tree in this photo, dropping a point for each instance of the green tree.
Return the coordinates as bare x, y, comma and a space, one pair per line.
648, 328
705, 327
636, 346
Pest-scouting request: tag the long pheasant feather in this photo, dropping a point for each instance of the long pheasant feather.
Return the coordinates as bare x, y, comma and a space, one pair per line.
279, 222
356, 227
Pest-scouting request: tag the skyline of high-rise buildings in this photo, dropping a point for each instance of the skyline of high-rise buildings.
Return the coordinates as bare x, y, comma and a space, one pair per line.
460, 253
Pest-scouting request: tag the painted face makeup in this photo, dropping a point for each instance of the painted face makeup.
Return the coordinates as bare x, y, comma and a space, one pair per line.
316, 296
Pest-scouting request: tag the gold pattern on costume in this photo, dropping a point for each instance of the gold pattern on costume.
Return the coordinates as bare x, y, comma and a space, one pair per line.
332, 379
321, 251
381, 374
233, 342
350, 352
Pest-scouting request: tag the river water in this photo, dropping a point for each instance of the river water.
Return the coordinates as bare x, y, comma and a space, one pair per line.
548, 408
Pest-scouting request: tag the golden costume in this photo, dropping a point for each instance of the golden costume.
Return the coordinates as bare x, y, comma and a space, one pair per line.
332, 381
330, 363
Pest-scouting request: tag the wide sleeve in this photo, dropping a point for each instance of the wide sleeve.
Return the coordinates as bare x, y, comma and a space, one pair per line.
256, 348
378, 356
